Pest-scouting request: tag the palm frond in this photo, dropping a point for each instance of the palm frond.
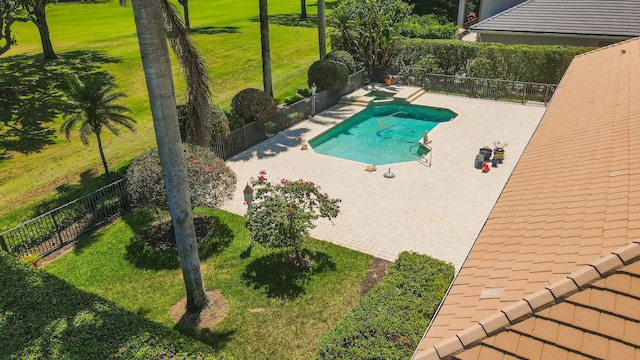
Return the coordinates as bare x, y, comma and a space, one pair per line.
195, 71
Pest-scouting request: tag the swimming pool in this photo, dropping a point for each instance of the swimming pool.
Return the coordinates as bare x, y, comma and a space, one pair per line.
380, 134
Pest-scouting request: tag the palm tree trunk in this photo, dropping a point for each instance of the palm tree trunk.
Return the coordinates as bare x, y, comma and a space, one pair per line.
267, 82
322, 28
157, 70
104, 160
43, 29
303, 9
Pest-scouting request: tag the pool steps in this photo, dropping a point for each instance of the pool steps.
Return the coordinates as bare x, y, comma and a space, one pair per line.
358, 98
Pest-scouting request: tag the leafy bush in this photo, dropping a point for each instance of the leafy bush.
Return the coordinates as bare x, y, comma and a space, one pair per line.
328, 75
427, 27
533, 63
44, 317
254, 105
342, 57
219, 122
235, 121
306, 92
293, 99
389, 321
211, 181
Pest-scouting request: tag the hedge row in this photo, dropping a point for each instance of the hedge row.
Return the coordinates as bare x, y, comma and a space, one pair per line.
533, 63
389, 321
43, 317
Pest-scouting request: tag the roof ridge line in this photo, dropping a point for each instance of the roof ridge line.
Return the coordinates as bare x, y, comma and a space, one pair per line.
520, 310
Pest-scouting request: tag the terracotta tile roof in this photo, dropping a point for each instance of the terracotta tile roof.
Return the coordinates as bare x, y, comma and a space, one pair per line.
572, 200
593, 313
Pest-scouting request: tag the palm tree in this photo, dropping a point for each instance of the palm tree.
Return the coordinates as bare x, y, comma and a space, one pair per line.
322, 28
303, 9
267, 82
157, 70
91, 102
185, 7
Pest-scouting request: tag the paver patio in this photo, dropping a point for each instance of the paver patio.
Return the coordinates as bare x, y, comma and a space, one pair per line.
437, 210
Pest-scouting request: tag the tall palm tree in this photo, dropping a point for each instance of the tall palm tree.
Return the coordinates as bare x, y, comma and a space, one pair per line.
92, 106
267, 82
303, 9
185, 7
157, 70
322, 28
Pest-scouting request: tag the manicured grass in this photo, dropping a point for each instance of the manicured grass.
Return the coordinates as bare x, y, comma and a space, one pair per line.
38, 166
43, 317
275, 312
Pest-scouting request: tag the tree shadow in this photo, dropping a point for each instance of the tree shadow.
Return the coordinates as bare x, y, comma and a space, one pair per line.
328, 4
284, 141
212, 30
143, 256
311, 21
31, 97
45, 315
280, 278
216, 339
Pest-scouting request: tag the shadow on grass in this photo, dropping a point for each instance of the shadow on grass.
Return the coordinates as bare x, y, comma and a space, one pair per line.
31, 97
218, 340
310, 21
212, 30
280, 278
146, 257
44, 317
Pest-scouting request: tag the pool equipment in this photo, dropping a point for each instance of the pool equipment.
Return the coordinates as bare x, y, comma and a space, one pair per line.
389, 174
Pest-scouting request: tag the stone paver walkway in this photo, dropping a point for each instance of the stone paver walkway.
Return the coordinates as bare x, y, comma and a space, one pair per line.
437, 210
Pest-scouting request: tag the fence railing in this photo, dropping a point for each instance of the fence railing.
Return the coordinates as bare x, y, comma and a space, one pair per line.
514, 91
60, 226
252, 134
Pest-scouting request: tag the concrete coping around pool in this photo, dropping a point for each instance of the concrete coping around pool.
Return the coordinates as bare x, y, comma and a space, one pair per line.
360, 97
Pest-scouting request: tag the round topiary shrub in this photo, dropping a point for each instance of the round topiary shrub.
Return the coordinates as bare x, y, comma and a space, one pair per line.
254, 105
343, 57
211, 181
328, 75
219, 122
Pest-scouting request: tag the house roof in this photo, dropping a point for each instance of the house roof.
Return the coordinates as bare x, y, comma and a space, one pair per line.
573, 198
601, 18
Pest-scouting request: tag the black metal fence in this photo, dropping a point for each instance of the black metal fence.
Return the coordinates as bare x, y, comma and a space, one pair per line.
58, 227
514, 91
252, 134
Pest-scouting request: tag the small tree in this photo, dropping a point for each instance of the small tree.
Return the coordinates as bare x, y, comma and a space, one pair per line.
91, 101
282, 214
211, 181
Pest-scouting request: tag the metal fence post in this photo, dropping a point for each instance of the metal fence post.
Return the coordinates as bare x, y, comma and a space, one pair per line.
55, 223
3, 244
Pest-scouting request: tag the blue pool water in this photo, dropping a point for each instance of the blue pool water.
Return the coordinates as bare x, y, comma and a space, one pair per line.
380, 134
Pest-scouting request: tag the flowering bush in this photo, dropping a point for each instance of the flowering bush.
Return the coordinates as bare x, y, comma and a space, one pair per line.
211, 181
282, 213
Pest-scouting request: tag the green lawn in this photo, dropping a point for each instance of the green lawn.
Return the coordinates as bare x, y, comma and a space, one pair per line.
274, 311
39, 169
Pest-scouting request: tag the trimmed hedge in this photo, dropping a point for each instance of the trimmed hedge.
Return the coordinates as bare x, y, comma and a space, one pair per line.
342, 57
389, 321
328, 75
43, 317
533, 63
253, 104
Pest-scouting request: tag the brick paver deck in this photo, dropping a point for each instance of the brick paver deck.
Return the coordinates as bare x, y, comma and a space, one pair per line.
437, 210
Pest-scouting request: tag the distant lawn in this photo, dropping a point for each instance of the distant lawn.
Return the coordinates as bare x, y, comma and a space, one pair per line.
38, 167
274, 312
